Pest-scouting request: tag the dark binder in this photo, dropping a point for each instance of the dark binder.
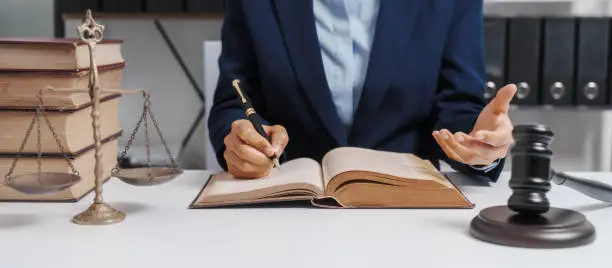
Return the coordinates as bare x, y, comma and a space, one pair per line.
205, 6
123, 6
495, 54
558, 61
164, 6
523, 60
71, 6
592, 61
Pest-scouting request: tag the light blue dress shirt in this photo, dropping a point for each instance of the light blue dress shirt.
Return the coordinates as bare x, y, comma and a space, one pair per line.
345, 30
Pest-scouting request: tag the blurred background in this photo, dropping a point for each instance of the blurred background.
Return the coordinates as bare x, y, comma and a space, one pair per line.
171, 48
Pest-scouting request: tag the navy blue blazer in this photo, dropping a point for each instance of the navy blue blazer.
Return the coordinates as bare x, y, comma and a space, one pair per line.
426, 72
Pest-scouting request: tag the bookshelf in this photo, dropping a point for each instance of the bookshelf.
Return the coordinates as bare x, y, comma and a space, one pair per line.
135, 9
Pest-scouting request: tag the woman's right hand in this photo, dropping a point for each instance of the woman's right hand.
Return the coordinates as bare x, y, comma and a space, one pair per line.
248, 154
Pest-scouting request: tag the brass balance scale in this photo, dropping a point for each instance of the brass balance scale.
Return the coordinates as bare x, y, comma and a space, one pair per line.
99, 213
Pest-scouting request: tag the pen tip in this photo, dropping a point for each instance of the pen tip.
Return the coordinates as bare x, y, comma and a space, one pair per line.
276, 163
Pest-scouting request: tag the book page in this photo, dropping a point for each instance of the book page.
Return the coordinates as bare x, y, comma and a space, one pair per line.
400, 165
298, 174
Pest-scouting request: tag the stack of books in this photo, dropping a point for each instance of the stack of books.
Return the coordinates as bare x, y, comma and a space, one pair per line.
26, 66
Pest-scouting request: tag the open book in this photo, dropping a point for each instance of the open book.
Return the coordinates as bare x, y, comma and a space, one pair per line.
348, 177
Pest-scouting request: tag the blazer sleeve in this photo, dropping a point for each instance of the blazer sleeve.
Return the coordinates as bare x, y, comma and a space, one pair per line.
461, 83
237, 61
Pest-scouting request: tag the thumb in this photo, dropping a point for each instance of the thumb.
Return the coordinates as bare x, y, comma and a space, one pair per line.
278, 138
501, 102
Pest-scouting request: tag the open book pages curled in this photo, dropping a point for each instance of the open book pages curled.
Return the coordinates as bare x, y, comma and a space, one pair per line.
349, 177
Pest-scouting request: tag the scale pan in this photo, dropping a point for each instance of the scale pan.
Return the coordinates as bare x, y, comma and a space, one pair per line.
48, 183
140, 176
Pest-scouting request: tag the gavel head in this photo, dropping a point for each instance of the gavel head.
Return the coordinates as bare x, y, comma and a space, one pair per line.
531, 160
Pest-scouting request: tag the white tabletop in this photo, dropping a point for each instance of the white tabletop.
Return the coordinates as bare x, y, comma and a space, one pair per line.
160, 231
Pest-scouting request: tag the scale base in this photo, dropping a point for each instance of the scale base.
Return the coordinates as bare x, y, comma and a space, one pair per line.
99, 214
557, 228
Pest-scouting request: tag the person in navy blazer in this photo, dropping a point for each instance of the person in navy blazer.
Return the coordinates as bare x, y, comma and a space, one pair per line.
421, 93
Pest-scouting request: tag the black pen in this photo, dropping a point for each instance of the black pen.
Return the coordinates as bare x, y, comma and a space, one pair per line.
253, 116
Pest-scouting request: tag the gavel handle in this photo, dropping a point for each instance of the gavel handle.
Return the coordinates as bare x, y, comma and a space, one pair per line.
594, 189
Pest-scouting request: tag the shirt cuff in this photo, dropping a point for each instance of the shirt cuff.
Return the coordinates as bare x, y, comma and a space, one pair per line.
488, 168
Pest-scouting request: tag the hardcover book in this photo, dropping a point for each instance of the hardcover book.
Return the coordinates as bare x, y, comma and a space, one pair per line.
19, 90
73, 128
49, 54
347, 178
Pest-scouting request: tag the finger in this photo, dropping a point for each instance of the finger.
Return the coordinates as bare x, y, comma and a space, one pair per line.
496, 138
242, 166
278, 138
482, 149
501, 101
469, 156
237, 173
247, 133
251, 155
245, 152
232, 159
502, 152
465, 138
447, 150
474, 144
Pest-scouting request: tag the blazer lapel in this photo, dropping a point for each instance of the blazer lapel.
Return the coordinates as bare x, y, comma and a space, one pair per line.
297, 23
393, 30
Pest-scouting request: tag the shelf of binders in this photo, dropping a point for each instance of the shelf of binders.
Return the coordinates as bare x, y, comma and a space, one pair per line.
558, 62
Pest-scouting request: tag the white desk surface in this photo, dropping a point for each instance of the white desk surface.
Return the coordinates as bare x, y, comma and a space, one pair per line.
160, 231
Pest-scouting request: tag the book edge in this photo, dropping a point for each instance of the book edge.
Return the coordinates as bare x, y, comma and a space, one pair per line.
59, 109
193, 203
320, 198
470, 203
53, 41
76, 154
66, 71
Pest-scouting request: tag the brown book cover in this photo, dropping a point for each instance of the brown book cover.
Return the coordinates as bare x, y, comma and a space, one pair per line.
347, 178
83, 162
73, 128
55, 54
19, 90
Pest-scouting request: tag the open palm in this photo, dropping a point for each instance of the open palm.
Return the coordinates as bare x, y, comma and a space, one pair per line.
490, 137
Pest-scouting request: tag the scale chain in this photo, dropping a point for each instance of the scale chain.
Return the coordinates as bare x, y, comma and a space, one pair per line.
147, 139
174, 165
144, 119
129, 143
21, 148
38, 144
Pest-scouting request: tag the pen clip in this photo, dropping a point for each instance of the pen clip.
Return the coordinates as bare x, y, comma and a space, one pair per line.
236, 83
